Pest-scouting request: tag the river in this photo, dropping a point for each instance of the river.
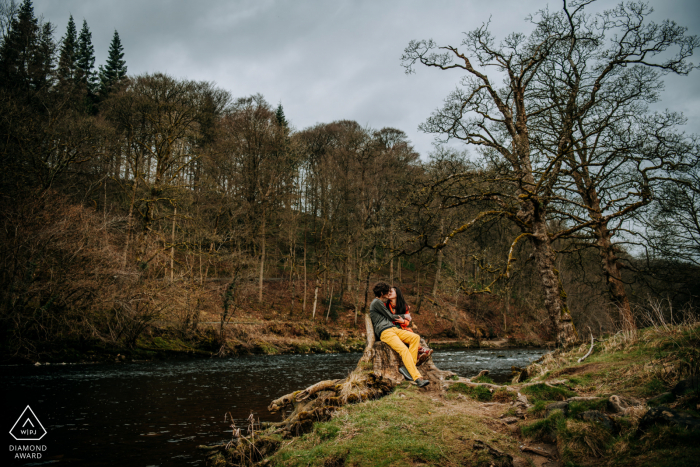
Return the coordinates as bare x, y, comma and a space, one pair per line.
156, 413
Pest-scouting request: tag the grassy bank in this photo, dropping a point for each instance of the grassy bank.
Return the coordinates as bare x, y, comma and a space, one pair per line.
272, 337
568, 418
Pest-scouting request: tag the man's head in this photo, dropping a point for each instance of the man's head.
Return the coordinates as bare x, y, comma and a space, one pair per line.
381, 289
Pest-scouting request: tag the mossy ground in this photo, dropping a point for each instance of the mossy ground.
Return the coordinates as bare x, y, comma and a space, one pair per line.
411, 427
639, 365
408, 427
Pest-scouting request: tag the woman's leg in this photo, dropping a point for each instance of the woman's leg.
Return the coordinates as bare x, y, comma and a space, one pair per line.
413, 341
392, 339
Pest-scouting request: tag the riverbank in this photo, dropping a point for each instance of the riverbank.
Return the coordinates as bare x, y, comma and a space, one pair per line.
634, 401
279, 325
242, 337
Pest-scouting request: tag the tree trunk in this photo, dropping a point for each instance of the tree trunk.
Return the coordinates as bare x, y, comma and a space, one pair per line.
439, 261
613, 277
554, 296
609, 259
437, 272
172, 249
349, 267
305, 278
313, 313
130, 221
262, 261
330, 304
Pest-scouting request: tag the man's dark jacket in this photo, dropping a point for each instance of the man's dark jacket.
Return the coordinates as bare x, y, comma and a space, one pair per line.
382, 318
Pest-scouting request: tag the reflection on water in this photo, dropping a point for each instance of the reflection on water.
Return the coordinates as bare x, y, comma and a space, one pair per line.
156, 413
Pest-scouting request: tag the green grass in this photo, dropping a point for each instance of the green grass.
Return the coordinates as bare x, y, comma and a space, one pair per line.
653, 387
643, 365
580, 380
543, 392
547, 427
578, 407
538, 409
404, 428
479, 393
483, 379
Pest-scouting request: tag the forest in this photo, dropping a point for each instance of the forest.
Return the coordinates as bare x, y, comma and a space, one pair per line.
138, 202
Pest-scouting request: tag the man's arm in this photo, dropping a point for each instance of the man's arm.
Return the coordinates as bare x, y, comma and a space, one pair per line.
378, 307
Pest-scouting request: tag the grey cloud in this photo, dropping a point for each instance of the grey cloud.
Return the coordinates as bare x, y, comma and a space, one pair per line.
324, 60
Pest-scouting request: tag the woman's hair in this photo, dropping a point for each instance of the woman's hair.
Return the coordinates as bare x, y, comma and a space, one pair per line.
401, 305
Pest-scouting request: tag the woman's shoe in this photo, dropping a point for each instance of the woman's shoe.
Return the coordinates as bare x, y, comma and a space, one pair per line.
423, 355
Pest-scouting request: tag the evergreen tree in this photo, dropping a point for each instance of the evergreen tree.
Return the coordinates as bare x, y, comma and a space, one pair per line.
19, 48
85, 60
69, 50
115, 68
279, 113
42, 66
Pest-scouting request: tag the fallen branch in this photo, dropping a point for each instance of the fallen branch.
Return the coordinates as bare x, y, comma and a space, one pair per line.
590, 351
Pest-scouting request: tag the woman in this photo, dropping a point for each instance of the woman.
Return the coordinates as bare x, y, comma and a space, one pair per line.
398, 306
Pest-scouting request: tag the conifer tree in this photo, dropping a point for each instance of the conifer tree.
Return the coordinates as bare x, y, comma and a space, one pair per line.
19, 48
279, 114
85, 59
42, 66
69, 50
115, 68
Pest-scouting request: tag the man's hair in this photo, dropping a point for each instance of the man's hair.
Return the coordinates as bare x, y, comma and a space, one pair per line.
381, 288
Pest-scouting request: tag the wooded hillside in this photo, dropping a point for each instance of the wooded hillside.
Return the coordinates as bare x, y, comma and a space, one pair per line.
135, 201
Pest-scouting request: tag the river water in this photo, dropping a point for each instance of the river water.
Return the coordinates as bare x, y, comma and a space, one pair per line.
156, 413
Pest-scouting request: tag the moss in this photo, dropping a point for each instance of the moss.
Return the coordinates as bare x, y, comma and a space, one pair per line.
544, 429
483, 379
578, 407
538, 409
654, 387
479, 393
327, 431
537, 392
503, 395
267, 348
403, 428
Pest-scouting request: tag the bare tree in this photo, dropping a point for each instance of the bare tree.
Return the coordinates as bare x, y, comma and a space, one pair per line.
590, 111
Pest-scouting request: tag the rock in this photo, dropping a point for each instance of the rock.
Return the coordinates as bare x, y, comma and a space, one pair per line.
600, 418
563, 406
499, 458
538, 450
621, 405
522, 402
690, 384
663, 415
509, 420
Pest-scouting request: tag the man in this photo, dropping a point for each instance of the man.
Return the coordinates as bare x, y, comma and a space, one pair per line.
383, 322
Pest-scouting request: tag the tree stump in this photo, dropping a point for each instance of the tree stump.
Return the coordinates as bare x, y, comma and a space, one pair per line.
376, 374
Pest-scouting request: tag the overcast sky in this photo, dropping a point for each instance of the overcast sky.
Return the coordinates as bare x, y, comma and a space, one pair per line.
325, 60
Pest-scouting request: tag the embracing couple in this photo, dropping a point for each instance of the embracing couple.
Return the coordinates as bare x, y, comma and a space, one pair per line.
390, 318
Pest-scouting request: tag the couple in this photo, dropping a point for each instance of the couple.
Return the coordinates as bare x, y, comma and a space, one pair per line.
391, 328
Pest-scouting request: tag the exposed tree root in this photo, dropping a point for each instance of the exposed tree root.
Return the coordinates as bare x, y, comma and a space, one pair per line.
376, 374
